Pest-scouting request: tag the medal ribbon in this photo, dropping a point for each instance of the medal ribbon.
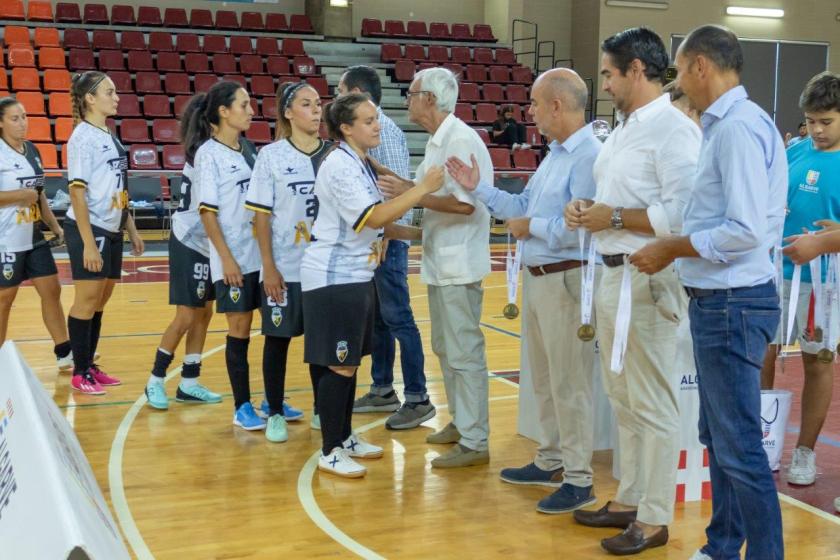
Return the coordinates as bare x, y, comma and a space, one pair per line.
816, 283
794, 300
512, 264
622, 322
587, 279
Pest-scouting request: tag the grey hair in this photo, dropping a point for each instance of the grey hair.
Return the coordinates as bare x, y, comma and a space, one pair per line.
442, 83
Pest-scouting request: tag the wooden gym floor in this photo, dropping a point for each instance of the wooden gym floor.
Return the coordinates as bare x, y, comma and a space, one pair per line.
186, 484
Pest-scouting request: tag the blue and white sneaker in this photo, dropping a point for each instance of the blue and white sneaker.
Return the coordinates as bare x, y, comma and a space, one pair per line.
197, 394
156, 395
246, 418
290, 413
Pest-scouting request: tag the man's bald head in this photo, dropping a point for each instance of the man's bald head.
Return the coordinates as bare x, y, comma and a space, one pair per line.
563, 84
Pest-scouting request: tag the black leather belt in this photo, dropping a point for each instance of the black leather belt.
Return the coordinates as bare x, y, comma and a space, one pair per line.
551, 268
613, 261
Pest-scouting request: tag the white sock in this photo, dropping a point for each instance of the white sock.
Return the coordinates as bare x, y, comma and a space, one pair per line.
153, 379
187, 382
192, 359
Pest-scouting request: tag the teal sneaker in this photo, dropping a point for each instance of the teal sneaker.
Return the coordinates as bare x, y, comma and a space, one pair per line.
247, 419
197, 394
156, 395
315, 423
276, 429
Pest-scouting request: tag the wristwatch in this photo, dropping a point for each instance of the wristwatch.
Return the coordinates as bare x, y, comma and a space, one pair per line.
616, 222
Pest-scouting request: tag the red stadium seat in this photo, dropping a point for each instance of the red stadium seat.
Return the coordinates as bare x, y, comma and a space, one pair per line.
404, 70
236, 78
180, 104
517, 113
517, 93
60, 104
76, 39
533, 136
147, 82
252, 21
67, 12
525, 159
139, 61
21, 55
469, 92
522, 75
165, 131
477, 73
134, 130
63, 129
122, 80
161, 41
16, 35
255, 107
240, 44
64, 155
173, 156
262, 86
224, 64
46, 37
195, 63
104, 39
482, 55
156, 106
417, 29
95, 13
38, 129
267, 46
226, 19
12, 9
175, 17
149, 16
505, 56
391, 52
23, 79
461, 55
425, 65
129, 106
187, 42
461, 32
499, 74
484, 135
169, 62
278, 66
177, 83
32, 101
320, 84
122, 15
111, 60
4, 82
372, 28
214, 44
464, 111
143, 156
415, 52
251, 64
485, 112
395, 28
56, 80
300, 23
455, 68
269, 107
204, 82
201, 18
483, 32
292, 47
39, 10
276, 23
81, 60
259, 133
132, 41
438, 31
500, 158
493, 93
438, 53
49, 156
304, 66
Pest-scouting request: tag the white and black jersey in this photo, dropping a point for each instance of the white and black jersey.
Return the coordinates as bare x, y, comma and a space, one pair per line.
18, 225
98, 162
221, 178
343, 250
283, 185
186, 221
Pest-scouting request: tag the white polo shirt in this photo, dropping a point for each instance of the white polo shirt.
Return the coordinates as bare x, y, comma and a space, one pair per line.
456, 248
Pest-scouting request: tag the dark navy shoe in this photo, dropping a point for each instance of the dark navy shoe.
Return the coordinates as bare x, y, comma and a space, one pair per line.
532, 475
567, 498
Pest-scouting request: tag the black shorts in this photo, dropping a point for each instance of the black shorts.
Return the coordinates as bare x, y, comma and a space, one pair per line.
110, 246
25, 265
238, 300
189, 276
339, 324
284, 319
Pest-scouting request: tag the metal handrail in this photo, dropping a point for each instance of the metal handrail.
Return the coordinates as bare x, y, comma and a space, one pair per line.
569, 60
514, 40
540, 56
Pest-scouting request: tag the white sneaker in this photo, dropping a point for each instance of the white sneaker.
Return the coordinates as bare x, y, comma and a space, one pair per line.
66, 363
514, 147
357, 447
803, 467
525, 146
698, 555
339, 462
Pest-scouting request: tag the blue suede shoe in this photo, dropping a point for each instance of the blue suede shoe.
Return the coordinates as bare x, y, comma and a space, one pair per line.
532, 475
567, 498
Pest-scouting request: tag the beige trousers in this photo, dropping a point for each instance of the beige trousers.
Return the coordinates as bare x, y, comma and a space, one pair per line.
561, 370
645, 395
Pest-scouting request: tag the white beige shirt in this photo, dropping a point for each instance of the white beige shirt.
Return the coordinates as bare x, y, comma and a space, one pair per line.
456, 248
649, 162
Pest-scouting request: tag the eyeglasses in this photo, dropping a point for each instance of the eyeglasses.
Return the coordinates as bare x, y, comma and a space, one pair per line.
409, 93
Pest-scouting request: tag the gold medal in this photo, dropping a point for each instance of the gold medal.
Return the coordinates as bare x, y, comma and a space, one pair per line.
586, 332
511, 311
825, 355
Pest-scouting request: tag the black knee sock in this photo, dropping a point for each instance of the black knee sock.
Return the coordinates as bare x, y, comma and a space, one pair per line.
332, 398
162, 362
236, 357
315, 374
95, 328
275, 351
191, 371
348, 409
61, 350
79, 330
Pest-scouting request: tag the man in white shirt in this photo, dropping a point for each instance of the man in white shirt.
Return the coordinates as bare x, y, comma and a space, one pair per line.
643, 179
456, 257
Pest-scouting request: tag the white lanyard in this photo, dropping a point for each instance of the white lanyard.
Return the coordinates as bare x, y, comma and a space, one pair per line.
587, 287
794, 300
778, 260
622, 322
512, 265
816, 283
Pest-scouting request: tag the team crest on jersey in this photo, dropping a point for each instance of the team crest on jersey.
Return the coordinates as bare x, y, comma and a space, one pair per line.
8, 271
290, 171
812, 177
201, 290
341, 351
276, 316
234, 294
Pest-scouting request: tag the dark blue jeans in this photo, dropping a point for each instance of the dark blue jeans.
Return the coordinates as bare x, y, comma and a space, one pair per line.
731, 330
395, 321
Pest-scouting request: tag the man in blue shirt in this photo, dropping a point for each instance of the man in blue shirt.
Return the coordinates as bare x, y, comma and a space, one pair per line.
813, 196
732, 221
394, 317
560, 363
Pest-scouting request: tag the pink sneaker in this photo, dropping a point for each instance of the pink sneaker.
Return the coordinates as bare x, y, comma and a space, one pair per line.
87, 385
103, 378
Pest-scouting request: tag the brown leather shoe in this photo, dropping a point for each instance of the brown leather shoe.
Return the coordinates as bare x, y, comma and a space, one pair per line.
605, 518
633, 541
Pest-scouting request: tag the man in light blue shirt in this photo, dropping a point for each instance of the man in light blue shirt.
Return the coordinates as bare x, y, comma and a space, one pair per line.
732, 221
394, 317
560, 363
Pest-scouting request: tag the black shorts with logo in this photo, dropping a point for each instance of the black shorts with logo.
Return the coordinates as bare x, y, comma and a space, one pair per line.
339, 324
231, 299
189, 276
25, 265
282, 319
110, 246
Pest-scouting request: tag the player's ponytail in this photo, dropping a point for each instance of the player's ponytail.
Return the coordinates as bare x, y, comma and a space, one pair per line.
202, 114
81, 85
